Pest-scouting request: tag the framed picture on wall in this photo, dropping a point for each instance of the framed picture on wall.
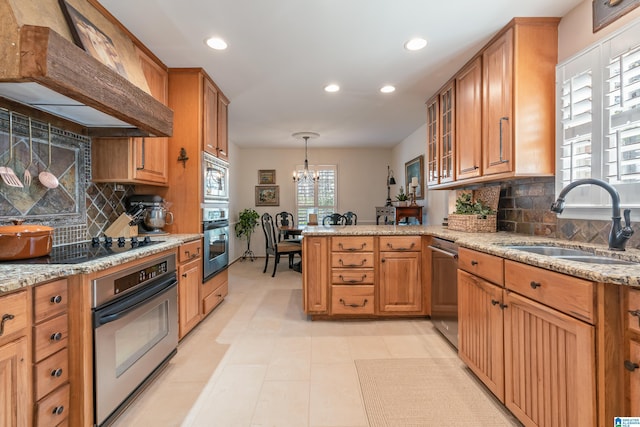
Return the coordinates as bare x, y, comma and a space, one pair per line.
607, 11
267, 176
267, 195
414, 169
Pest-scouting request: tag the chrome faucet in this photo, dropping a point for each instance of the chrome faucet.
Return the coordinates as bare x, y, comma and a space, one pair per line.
618, 235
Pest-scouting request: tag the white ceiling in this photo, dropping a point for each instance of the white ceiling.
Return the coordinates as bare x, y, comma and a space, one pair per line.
282, 53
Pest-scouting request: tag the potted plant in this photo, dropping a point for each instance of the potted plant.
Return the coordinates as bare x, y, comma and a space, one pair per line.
245, 227
472, 215
402, 197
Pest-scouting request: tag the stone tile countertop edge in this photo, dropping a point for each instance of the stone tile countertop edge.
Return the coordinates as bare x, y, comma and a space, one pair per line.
495, 244
17, 276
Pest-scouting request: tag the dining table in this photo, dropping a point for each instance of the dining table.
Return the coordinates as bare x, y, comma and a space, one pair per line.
288, 231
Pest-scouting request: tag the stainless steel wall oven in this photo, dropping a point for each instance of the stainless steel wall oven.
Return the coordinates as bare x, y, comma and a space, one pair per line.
215, 182
215, 228
135, 330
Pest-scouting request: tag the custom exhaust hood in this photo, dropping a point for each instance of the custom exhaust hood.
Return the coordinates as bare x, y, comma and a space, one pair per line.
46, 71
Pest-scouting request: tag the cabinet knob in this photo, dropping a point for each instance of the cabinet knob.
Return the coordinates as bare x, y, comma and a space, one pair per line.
495, 302
630, 366
534, 285
58, 410
57, 299
56, 373
56, 337
474, 262
5, 317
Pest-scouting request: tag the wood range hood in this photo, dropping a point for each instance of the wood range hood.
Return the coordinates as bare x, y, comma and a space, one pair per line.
46, 71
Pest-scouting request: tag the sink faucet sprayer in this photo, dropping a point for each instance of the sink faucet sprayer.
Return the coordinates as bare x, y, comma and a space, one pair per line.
618, 235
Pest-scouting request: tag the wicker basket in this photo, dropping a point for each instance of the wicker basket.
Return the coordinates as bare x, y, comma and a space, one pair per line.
473, 223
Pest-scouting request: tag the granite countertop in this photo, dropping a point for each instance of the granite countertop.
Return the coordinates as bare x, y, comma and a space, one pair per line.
16, 276
495, 244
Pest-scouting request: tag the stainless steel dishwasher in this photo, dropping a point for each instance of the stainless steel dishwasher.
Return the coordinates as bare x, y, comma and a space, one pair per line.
444, 288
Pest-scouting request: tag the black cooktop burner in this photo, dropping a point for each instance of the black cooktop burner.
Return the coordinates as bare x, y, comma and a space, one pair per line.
89, 251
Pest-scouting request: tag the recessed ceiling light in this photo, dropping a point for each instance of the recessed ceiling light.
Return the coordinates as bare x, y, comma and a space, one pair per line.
387, 89
332, 88
216, 43
415, 44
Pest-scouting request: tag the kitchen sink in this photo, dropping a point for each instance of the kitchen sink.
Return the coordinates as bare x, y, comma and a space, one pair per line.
595, 259
551, 250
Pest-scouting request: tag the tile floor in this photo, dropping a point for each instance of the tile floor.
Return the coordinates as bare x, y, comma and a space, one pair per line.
257, 361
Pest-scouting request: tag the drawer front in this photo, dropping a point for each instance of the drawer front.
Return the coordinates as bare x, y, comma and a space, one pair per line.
489, 267
13, 308
49, 337
633, 310
215, 282
400, 243
49, 300
571, 295
189, 251
352, 244
215, 297
345, 276
352, 260
53, 409
51, 373
352, 299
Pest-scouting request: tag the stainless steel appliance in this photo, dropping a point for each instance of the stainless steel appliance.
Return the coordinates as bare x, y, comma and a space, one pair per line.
444, 288
215, 227
135, 321
215, 180
150, 213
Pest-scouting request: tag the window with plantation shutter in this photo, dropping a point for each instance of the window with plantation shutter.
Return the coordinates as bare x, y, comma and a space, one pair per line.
598, 123
318, 197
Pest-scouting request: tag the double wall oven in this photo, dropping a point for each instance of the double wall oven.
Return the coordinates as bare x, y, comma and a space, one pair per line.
215, 215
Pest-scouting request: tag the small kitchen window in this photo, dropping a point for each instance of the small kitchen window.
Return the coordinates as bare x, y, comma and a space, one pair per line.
598, 123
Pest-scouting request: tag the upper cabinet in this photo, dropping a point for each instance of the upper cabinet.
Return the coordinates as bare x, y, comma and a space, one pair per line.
441, 136
135, 160
504, 107
214, 138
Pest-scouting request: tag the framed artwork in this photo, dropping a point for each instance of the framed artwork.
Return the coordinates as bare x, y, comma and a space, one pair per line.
267, 195
414, 168
607, 11
91, 39
267, 176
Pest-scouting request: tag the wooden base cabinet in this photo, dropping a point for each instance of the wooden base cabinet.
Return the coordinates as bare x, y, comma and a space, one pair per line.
189, 283
315, 274
214, 291
632, 363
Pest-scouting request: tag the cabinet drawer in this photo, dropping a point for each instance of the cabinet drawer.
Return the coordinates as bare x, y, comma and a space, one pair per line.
49, 337
53, 409
352, 243
352, 260
189, 251
400, 243
352, 299
49, 300
633, 310
352, 276
571, 295
13, 305
51, 373
487, 266
214, 298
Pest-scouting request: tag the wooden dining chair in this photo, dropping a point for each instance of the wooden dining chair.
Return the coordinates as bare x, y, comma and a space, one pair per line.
275, 248
352, 218
285, 219
334, 219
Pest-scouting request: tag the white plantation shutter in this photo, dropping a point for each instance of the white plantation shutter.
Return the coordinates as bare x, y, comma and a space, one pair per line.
319, 197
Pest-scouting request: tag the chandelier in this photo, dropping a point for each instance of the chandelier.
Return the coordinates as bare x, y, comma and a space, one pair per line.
305, 175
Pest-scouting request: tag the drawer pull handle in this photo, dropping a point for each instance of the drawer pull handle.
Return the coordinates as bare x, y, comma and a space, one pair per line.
354, 305
352, 249
364, 261
58, 410
495, 302
630, 366
390, 246
56, 337
4, 319
474, 262
534, 284
364, 276
57, 299
56, 373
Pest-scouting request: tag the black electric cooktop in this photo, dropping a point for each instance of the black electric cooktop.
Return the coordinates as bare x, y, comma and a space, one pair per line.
89, 251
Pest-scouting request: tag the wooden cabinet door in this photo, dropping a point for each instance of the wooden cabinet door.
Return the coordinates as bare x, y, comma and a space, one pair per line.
223, 126
447, 133
433, 141
480, 330
549, 365
400, 282
634, 379
150, 160
315, 274
189, 313
210, 120
14, 384
469, 120
497, 81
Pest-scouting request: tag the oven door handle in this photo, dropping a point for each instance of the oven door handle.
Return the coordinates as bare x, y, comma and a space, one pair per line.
121, 308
